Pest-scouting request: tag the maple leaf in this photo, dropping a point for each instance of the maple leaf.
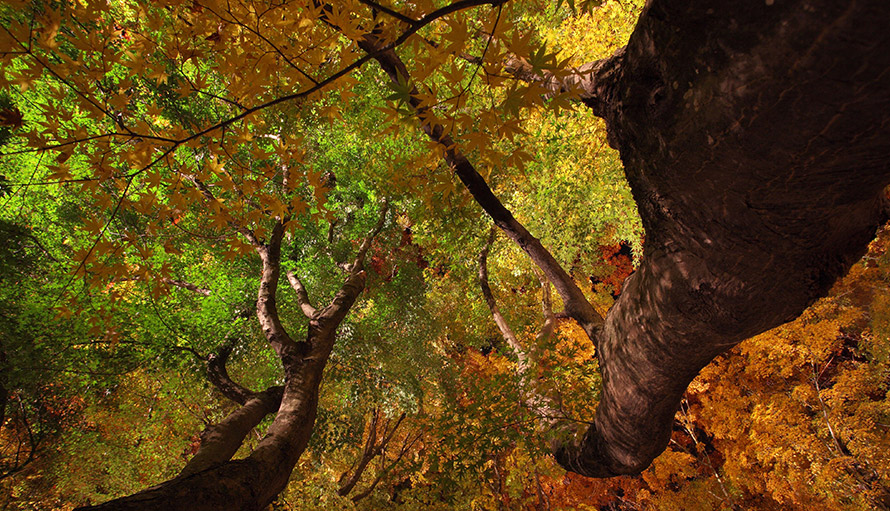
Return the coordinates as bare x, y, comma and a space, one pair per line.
11, 117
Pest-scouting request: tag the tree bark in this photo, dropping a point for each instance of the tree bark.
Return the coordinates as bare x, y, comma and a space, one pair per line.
574, 301
250, 484
756, 140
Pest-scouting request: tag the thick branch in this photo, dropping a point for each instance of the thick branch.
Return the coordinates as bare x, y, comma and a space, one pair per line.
576, 303
267, 307
219, 442
253, 482
593, 83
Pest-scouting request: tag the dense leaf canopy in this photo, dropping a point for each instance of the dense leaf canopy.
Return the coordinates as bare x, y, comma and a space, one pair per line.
149, 151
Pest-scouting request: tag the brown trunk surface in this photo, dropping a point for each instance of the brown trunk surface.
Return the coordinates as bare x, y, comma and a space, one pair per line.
756, 140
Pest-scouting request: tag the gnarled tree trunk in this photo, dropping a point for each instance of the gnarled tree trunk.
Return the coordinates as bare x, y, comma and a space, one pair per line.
756, 140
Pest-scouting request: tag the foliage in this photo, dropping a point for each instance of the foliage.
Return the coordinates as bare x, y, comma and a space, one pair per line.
141, 141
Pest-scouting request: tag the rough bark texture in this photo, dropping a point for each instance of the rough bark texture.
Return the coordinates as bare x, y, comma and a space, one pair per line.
756, 140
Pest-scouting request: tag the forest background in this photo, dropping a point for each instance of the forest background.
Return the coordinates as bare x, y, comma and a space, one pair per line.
128, 268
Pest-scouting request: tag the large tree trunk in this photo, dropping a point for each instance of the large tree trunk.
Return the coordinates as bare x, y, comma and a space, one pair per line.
756, 140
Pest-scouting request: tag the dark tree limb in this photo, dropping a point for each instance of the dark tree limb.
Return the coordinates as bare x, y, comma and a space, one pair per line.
756, 140
359, 262
267, 305
219, 376
219, 442
10, 465
576, 304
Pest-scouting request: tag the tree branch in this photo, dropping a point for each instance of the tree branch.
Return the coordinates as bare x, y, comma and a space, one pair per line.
546, 308
267, 308
359, 263
248, 234
753, 202
219, 376
500, 321
187, 285
406, 446
219, 442
302, 296
575, 302
539, 405
371, 450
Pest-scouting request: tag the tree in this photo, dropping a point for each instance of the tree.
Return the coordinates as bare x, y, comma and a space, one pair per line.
753, 140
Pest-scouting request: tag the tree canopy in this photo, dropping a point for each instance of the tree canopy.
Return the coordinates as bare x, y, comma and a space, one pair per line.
440, 254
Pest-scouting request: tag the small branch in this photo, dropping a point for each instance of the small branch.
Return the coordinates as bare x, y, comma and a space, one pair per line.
371, 450
391, 12
359, 263
187, 285
546, 308
208, 195
500, 321
385, 469
368, 453
219, 376
302, 296
540, 405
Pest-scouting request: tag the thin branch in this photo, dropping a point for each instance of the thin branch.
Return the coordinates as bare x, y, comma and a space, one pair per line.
540, 405
500, 321
546, 308
248, 234
391, 12
187, 285
406, 446
302, 296
359, 262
